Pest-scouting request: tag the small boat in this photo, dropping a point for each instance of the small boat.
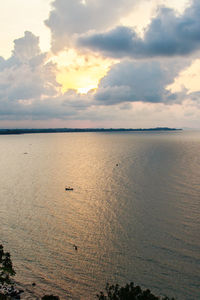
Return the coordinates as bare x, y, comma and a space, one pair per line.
69, 189
75, 247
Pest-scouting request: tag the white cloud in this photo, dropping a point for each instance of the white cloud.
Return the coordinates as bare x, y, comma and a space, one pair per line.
26, 75
69, 18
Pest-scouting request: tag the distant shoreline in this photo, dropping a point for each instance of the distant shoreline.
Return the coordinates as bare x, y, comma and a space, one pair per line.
60, 130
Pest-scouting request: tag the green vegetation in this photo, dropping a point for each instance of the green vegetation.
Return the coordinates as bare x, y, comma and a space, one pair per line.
6, 267
128, 292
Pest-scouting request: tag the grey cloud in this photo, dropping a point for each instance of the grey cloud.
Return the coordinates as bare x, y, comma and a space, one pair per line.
117, 43
68, 18
131, 81
2, 63
64, 107
29, 90
167, 35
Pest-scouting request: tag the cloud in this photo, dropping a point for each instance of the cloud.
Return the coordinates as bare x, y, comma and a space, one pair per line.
26, 77
28, 86
64, 107
167, 35
27, 74
27, 47
69, 18
131, 81
126, 96
29, 90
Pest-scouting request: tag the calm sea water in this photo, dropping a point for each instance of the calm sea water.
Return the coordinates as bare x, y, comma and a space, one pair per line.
138, 221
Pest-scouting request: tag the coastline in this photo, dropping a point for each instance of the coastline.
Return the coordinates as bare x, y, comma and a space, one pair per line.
73, 130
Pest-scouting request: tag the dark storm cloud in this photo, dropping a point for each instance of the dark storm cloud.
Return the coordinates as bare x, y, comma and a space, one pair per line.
167, 35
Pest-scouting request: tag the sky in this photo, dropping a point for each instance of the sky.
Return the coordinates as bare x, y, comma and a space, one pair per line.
99, 63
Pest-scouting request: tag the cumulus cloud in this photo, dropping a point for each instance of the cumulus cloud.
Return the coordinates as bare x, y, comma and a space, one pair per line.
27, 47
131, 81
26, 75
29, 90
167, 35
69, 18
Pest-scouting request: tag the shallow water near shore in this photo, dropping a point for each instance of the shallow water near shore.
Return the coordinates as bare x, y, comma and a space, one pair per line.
135, 221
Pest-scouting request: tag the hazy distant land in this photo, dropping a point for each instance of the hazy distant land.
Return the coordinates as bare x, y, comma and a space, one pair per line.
54, 130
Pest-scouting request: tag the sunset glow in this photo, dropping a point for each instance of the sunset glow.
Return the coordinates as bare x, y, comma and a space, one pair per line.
99, 61
80, 72
189, 79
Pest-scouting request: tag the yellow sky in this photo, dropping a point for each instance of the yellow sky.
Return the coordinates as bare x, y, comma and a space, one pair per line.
188, 78
18, 16
81, 72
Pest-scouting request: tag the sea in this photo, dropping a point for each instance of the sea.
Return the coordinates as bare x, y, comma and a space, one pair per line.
134, 212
